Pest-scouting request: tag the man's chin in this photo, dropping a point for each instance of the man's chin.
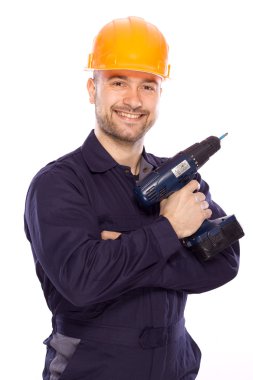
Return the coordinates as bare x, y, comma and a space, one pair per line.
128, 133
128, 138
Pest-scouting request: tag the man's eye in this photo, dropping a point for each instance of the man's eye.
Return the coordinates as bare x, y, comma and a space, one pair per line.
118, 84
148, 88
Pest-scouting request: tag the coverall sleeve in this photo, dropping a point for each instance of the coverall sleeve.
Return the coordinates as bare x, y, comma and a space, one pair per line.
65, 238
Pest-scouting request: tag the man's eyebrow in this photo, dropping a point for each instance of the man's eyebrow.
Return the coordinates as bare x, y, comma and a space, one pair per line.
124, 77
150, 81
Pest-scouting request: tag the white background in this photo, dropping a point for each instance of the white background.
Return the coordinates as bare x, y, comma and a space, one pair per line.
45, 113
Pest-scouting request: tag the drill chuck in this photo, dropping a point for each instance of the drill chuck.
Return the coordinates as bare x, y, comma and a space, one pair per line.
201, 152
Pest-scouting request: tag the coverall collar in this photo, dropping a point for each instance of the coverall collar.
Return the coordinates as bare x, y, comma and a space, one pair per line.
99, 160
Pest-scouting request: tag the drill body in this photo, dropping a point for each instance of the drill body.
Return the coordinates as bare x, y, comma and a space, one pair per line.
214, 235
165, 180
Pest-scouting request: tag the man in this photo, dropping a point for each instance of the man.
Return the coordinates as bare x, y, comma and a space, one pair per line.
115, 276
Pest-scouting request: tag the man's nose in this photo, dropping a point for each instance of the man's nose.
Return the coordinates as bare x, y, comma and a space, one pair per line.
132, 98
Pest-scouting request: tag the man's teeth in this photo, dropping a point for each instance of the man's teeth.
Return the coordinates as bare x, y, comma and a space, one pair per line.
129, 115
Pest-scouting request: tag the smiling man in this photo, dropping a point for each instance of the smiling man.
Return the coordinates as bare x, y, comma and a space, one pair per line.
116, 277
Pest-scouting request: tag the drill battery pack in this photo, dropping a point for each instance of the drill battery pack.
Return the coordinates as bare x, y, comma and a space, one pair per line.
214, 236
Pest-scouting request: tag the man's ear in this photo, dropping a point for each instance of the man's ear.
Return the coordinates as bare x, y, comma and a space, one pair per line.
91, 90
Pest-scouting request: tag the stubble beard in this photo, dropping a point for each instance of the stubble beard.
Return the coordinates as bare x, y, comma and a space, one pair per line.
111, 129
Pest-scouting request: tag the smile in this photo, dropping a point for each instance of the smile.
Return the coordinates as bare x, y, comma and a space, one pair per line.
129, 115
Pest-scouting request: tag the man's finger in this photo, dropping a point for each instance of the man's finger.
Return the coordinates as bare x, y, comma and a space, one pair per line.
192, 186
105, 235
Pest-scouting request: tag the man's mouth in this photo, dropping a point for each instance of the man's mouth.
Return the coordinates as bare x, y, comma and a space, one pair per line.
127, 115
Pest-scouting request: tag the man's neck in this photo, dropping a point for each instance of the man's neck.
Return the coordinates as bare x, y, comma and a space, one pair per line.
126, 154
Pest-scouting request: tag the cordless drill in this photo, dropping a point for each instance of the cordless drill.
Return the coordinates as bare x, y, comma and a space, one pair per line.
213, 236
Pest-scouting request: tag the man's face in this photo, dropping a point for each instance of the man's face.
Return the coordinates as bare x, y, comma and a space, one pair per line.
126, 103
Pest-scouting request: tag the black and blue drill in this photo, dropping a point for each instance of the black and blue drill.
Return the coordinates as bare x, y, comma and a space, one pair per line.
214, 235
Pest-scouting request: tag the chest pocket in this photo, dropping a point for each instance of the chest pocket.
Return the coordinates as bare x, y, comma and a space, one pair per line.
121, 223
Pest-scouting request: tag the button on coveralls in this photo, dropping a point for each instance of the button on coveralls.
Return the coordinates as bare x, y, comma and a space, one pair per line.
117, 305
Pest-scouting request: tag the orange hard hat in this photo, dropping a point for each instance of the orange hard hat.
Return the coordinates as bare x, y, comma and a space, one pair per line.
130, 44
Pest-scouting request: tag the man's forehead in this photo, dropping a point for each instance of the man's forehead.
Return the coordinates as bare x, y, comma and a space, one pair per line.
129, 75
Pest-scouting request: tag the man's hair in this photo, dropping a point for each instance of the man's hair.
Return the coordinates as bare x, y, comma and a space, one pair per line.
95, 75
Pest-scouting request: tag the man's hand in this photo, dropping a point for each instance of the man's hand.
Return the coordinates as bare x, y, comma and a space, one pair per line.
105, 235
186, 210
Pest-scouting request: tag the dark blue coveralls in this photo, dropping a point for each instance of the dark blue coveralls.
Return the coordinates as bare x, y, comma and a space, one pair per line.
117, 305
